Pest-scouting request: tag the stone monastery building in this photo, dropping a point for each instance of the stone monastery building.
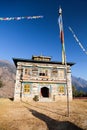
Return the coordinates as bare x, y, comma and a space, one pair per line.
41, 77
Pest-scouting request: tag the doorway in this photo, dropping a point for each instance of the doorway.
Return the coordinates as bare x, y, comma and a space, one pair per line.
45, 92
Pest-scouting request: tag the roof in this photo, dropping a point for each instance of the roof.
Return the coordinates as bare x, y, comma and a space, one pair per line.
36, 61
41, 57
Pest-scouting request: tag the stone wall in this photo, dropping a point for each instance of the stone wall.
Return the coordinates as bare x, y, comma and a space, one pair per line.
31, 77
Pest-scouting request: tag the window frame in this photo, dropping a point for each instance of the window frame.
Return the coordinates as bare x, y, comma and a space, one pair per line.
27, 88
62, 88
61, 73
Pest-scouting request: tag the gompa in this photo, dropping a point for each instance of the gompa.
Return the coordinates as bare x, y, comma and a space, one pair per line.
42, 78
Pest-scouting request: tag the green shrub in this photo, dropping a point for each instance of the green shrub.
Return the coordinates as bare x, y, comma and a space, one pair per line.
36, 98
1, 84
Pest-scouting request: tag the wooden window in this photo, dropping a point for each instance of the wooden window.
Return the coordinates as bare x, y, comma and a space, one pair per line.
46, 72
34, 71
21, 73
61, 89
61, 74
27, 71
54, 72
26, 88
43, 72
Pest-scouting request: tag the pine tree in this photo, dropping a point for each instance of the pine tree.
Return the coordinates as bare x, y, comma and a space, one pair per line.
1, 83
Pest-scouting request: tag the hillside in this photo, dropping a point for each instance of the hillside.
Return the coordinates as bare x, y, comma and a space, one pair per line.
7, 75
79, 83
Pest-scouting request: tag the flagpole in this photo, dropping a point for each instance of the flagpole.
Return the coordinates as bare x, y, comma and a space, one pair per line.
63, 54
67, 91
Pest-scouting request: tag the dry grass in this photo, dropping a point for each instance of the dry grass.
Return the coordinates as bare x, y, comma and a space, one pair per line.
42, 116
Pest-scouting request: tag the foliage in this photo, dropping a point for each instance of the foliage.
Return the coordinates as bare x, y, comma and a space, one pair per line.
77, 93
1, 83
36, 98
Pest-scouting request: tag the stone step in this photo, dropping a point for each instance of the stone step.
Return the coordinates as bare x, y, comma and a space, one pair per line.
45, 100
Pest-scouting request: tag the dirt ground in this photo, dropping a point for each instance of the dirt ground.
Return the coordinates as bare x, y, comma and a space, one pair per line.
43, 116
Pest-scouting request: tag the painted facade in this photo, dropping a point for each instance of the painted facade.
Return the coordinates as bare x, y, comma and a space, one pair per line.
41, 77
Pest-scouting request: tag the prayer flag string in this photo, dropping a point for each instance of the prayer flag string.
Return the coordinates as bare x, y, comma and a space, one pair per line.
19, 18
77, 40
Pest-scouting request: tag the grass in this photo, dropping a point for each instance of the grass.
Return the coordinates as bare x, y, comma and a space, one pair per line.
42, 116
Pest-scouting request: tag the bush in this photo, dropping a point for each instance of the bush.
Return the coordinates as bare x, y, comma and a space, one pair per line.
36, 98
77, 93
1, 84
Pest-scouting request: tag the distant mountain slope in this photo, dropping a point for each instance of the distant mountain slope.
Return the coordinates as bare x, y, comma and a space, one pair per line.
7, 75
79, 83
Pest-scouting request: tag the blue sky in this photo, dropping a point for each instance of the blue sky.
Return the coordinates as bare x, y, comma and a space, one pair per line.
24, 38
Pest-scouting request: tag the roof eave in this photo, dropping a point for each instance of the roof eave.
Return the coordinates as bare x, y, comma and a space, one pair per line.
36, 61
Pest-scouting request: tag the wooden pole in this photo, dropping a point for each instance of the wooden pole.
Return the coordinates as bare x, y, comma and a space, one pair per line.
63, 55
67, 89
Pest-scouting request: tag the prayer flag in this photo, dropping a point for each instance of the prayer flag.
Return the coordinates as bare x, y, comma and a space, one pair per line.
62, 36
